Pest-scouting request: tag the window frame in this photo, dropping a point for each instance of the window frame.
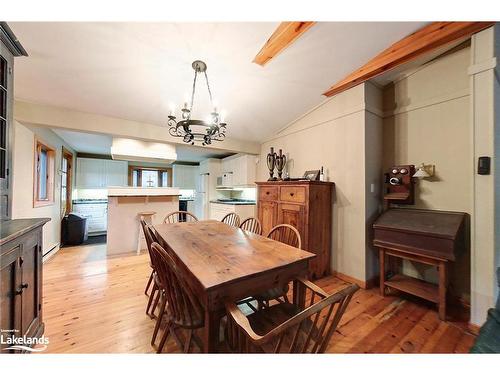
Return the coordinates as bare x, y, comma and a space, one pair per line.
139, 169
50, 174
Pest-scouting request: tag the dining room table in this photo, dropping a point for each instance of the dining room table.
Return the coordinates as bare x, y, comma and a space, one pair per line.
221, 262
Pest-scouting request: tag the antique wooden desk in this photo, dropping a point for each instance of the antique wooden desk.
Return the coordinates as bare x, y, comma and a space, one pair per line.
221, 261
425, 236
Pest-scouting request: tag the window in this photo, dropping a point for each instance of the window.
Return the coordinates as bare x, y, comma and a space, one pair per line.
43, 188
149, 177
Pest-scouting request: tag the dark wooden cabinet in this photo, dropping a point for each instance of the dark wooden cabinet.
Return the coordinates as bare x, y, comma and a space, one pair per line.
308, 206
21, 278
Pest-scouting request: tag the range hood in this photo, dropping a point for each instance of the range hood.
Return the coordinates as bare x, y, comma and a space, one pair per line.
135, 150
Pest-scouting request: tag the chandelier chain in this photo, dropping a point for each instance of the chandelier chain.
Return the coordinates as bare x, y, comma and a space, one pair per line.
192, 93
209, 91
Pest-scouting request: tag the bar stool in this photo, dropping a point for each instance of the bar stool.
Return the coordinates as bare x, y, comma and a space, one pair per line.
147, 216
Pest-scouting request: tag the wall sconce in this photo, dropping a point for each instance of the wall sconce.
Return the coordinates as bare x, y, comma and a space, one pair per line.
424, 171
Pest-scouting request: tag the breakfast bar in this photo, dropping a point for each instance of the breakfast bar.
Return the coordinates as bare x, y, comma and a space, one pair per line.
124, 207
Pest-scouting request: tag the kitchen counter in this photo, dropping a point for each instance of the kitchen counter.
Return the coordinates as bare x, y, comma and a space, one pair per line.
235, 202
124, 206
90, 201
128, 191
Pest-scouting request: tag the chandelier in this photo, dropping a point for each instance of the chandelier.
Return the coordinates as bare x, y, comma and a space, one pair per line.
191, 130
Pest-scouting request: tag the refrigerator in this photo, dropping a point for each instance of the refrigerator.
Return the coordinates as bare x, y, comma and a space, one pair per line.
202, 197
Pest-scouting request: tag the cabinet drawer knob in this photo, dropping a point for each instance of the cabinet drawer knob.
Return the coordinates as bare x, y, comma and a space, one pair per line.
267, 193
19, 291
291, 194
24, 285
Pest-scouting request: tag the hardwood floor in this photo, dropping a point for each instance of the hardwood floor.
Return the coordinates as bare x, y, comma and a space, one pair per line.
96, 304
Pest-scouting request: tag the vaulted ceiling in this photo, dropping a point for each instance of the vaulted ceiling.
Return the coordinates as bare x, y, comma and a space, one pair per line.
136, 70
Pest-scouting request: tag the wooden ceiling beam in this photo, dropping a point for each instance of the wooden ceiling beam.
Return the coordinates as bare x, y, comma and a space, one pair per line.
427, 39
284, 35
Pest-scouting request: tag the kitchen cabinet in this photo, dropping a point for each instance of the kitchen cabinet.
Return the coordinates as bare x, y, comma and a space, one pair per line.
21, 278
239, 171
100, 173
219, 210
306, 205
96, 214
184, 176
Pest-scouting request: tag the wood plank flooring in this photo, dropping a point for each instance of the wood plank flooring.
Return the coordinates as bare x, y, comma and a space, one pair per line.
96, 304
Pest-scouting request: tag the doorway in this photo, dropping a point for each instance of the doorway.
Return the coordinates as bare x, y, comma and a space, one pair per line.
66, 181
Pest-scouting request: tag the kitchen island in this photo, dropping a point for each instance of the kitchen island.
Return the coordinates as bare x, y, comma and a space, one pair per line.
124, 205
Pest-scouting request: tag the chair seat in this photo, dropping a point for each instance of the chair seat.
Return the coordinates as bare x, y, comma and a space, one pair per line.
272, 293
197, 321
265, 320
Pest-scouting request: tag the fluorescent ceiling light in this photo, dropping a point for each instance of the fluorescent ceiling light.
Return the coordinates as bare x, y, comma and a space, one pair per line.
135, 150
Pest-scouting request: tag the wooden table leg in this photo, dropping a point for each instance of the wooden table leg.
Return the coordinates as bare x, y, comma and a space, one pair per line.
442, 290
211, 331
381, 260
299, 294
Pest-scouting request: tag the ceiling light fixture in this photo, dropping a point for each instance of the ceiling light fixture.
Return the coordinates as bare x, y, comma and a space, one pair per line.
191, 131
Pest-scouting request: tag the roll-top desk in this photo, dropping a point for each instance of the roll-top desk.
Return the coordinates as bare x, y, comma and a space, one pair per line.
425, 236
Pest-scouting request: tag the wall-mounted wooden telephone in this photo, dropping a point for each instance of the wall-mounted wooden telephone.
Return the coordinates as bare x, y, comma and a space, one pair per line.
400, 186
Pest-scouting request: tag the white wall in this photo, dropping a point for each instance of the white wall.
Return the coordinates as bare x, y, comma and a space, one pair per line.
333, 135
22, 179
427, 119
485, 138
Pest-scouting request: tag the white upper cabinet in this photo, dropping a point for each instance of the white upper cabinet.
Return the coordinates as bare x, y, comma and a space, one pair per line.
100, 173
184, 176
116, 172
241, 170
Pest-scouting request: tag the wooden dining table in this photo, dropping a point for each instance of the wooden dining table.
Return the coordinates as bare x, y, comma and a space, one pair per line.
221, 262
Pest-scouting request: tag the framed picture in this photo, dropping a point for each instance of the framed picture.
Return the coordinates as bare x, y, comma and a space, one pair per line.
311, 175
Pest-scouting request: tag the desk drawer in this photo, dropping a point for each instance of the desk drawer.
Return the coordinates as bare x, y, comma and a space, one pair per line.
268, 193
295, 194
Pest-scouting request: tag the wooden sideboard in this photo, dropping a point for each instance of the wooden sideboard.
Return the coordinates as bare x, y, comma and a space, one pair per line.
21, 278
308, 206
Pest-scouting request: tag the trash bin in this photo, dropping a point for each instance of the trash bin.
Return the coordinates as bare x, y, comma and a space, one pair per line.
73, 230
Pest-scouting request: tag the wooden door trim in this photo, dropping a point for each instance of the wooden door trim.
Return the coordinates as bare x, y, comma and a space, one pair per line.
68, 155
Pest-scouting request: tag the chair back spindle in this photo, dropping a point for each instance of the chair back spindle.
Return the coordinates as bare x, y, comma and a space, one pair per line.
231, 219
179, 217
252, 224
308, 331
183, 308
287, 234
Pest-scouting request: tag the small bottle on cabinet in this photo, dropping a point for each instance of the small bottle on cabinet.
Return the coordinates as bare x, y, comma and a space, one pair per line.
321, 175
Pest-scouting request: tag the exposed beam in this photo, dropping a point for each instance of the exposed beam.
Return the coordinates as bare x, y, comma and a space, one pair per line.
428, 38
284, 35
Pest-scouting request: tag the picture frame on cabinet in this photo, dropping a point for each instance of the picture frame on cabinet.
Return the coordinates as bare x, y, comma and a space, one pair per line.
311, 175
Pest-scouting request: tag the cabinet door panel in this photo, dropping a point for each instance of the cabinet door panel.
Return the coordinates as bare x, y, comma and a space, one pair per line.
268, 215
116, 173
30, 273
294, 215
10, 303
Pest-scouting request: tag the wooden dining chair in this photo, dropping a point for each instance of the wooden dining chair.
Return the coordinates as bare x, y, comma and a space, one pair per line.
154, 296
148, 244
231, 219
289, 327
179, 306
179, 217
252, 224
287, 234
